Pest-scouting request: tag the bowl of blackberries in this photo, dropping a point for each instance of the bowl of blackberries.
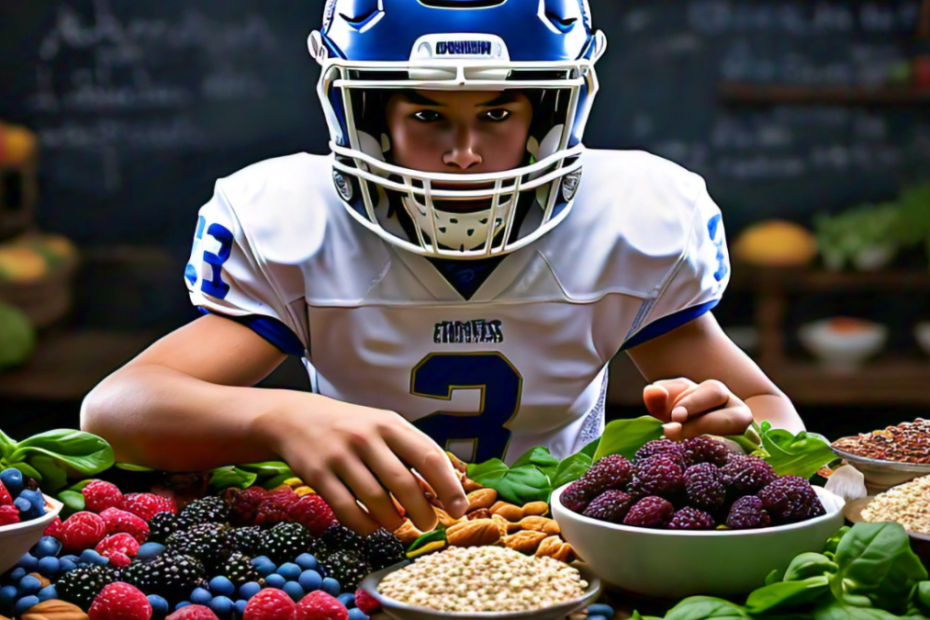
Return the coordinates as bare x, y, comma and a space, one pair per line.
691, 518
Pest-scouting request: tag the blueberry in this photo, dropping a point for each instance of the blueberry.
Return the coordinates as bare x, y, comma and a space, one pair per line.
261, 559
293, 590
331, 586
24, 507
8, 596
23, 605
222, 606
48, 593
275, 581
17, 574
28, 562
70, 558
149, 551
289, 571
266, 569
181, 604
48, 546
357, 614
307, 561
347, 599
12, 479
249, 589
159, 606
49, 566
35, 498
92, 557
240, 607
310, 580
601, 609
597, 617
201, 596
222, 586
67, 566
29, 585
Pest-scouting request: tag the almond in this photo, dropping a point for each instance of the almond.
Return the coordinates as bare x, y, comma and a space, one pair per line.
536, 508
482, 498
525, 542
540, 524
470, 485
444, 517
555, 547
53, 609
508, 511
481, 513
407, 533
477, 533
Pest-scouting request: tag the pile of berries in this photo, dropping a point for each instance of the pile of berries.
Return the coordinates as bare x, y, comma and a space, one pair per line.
216, 555
20, 500
693, 485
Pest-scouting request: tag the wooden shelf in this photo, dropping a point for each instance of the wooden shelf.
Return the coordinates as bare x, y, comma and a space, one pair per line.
761, 94
812, 280
889, 383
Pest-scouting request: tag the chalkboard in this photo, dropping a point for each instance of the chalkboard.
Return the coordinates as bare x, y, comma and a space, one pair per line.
141, 104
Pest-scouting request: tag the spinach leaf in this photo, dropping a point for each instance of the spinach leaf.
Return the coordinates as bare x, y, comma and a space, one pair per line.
53, 476
25, 470
571, 468
517, 485
787, 594
73, 500
276, 481
636, 616
834, 541
706, 607
800, 455
541, 458
919, 601
809, 564
627, 436
268, 468
231, 476
133, 467
86, 453
838, 611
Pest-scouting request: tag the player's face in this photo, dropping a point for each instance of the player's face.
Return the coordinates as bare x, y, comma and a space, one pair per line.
465, 132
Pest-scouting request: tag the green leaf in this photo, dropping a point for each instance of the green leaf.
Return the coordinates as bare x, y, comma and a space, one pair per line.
800, 455
53, 476
625, 437
637, 616
772, 577
86, 453
920, 597
268, 468
439, 534
72, 499
571, 469
27, 470
7, 445
231, 476
276, 481
79, 486
809, 564
834, 541
787, 594
541, 458
133, 467
591, 448
518, 485
706, 607
838, 611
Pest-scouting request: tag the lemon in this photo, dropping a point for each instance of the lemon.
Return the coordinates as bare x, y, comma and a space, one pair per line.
775, 243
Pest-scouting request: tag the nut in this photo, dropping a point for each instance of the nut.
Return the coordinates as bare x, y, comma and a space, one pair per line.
508, 511
475, 533
525, 541
53, 609
540, 524
482, 498
555, 547
457, 463
481, 513
470, 485
505, 526
407, 533
444, 517
536, 508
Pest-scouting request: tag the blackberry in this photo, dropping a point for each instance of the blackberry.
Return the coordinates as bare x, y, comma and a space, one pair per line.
382, 549
82, 584
284, 542
239, 569
748, 513
347, 568
610, 472
210, 509
577, 496
704, 487
163, 525
340, 538
661, 447
210, 543
652, 512
689, 518
791, 498
657, 475
704, 450
318, 549
745, 475
169, 576
247, 540
611, 505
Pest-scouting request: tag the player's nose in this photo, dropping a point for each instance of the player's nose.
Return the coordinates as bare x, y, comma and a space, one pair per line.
463, 153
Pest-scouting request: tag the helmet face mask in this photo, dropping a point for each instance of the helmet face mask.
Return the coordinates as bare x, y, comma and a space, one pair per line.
359, 72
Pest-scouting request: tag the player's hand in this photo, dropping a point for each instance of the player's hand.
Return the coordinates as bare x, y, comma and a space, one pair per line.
348, 452
689, 409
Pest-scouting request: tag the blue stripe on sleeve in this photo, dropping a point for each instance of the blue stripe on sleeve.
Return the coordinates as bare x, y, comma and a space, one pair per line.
271, 329
668, 323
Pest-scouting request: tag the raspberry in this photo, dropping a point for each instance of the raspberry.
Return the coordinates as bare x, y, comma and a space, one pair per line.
745, 475
791, 498
689, 518
53, 529
313, 513
5, 498
704, 486
319, 605
243, 504
120, 601
651, 511
748, 513
270, 604
100, 495
661, 447
657, 475
366, 602
275, 507
9, 515
610, 472
118, 544
147, 505
193, 612
119, 521
611, 505
705, 450
82, 530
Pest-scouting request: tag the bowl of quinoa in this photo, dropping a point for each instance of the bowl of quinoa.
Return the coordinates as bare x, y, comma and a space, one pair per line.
890, 456
482, 583
907, 504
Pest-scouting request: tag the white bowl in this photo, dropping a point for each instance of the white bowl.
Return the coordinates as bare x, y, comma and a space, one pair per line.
840, 348
922, 334
16, 539
673, 564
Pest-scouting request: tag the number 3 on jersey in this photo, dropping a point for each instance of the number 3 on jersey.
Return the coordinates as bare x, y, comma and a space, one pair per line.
212, 285
439, 374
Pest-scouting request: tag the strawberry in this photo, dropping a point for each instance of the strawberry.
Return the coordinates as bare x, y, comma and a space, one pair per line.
319, 605
82, 530
366, 602
270, 604
313, 513
274, 509
100, 495
193, 612
147, 505
243, 504
9, 515
5, 498
119, 548
121, 521
53, 529
120, 601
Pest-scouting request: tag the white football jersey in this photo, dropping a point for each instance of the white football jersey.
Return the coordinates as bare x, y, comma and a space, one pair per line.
521, 363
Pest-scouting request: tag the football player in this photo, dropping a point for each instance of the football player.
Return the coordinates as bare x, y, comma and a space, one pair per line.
456, 275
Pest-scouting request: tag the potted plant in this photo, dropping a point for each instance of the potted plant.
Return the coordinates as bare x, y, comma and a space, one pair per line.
864, 236
913, 225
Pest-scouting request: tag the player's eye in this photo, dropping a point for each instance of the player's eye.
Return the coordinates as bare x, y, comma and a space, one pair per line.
427, 116
497, 115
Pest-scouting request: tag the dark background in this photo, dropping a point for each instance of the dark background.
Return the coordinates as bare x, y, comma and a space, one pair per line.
140, 105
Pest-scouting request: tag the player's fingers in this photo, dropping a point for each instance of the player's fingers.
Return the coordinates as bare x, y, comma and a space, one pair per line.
674, 390
707, 396
394, 475
367, 489
343, 504
655, 397
733, 420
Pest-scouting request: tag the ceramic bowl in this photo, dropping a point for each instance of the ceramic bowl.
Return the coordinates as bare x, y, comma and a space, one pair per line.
882, 475
16, 539
837, 345
673, 564
922, 334
402, 611
920, 543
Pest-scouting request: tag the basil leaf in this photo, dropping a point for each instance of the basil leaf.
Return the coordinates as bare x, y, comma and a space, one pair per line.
276, 481
787, 594
772, 577
86, 453
834, 541
231, 476
838, 611
488, 472
268, 468
79, 486
27, 470
133, 467
800, 455
706, 607
627, 436
809, 564
571, 469
591, 448
518, 485
72, 499
439, 534
920, 597
541, 458
53, 476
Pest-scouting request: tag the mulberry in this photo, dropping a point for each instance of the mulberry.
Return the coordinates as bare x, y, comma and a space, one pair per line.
611, 505
791, 498
657, 475
661, 447
652, 512
748, 513
705, 450
689, 518
745, 475
704, 487
577, 496
611, 472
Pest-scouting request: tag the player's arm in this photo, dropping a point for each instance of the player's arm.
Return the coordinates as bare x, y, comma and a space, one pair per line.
719, 387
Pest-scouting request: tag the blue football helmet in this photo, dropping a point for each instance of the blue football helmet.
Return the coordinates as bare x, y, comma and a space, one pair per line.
369, 48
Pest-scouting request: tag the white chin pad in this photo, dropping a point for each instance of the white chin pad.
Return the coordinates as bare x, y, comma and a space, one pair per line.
457, 231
